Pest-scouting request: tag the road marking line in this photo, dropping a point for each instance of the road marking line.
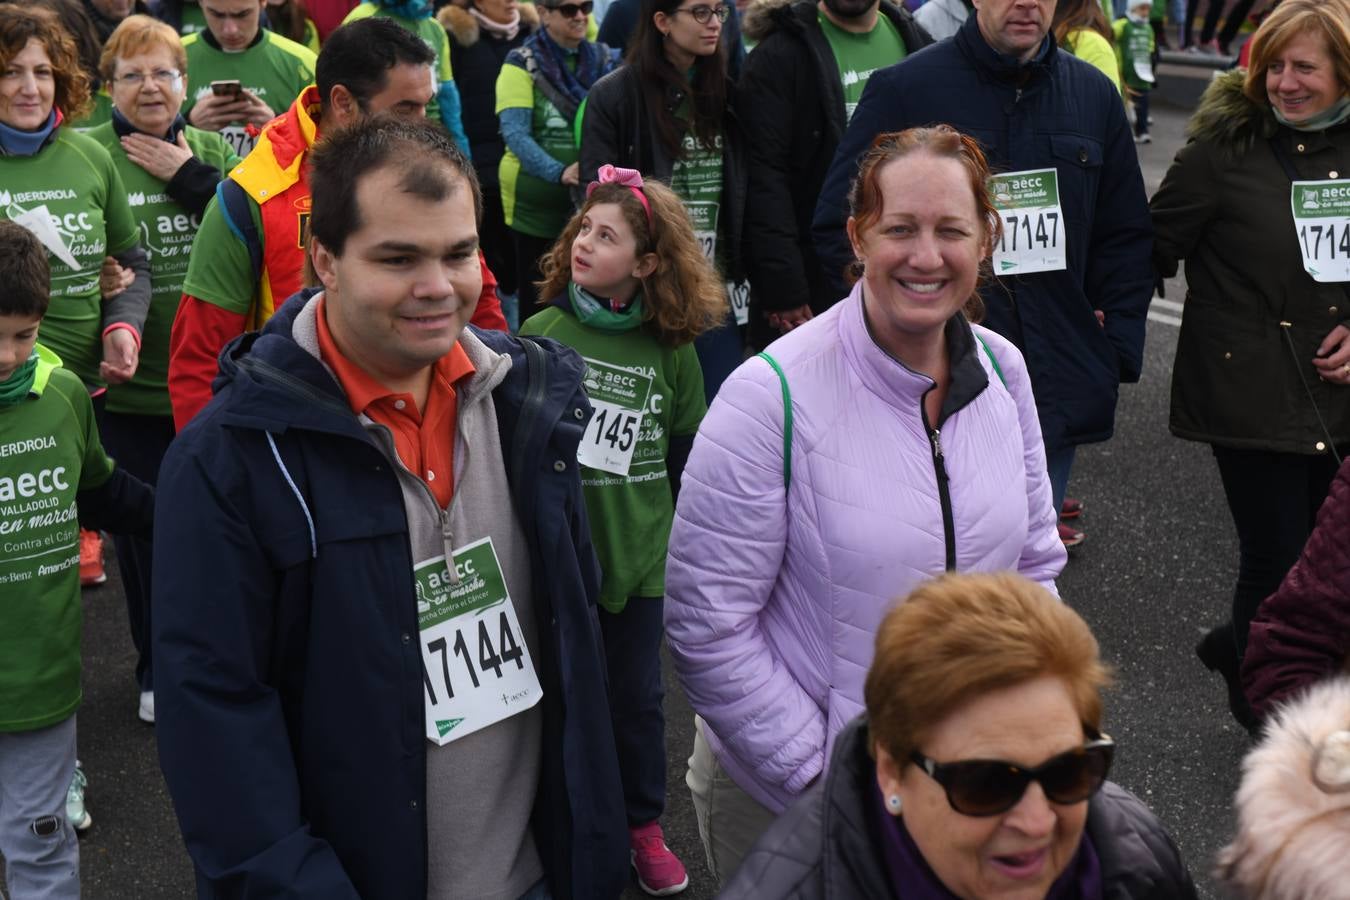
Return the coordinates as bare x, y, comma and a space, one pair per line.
1164, 318
1168, 305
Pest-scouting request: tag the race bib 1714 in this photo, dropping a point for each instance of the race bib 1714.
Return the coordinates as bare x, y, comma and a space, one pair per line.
1033, 223
1322, 223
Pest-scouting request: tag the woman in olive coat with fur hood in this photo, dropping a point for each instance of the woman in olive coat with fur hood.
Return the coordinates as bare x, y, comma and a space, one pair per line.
1262, 370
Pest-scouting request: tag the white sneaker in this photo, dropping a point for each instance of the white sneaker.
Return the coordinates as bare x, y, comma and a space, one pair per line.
146, 712
78, 816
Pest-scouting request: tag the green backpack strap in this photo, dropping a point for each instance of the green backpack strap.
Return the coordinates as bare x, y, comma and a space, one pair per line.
787, 419
998, 370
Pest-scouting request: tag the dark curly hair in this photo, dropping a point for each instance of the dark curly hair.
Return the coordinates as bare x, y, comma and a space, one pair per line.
21, 24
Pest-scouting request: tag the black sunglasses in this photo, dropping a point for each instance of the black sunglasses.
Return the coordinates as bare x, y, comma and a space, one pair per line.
702, 14
571, 10
986, 787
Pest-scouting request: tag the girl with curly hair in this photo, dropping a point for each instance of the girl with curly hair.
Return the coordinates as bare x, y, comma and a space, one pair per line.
629, 289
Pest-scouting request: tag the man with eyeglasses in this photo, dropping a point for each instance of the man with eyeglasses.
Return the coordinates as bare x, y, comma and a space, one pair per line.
1073, 269
801, 85
621, 18
239, 73
249, 254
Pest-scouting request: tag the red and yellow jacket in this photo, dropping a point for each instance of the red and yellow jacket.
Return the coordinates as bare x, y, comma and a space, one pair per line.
275, 178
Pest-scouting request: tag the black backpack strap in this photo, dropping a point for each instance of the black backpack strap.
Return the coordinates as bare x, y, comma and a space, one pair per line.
536, 393
235, 203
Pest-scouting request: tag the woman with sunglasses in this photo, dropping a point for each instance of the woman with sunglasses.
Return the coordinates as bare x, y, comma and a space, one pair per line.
978, 771
670, 114
540, 88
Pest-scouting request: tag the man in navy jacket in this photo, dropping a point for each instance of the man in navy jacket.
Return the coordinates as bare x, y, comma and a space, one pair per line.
322, 542
1002, 80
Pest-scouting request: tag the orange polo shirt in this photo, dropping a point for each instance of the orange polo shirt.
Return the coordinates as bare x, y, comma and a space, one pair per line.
425, 441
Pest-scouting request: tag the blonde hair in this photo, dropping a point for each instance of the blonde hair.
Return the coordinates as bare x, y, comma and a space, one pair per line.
684, 296
1329, 18
960, 636
136, 35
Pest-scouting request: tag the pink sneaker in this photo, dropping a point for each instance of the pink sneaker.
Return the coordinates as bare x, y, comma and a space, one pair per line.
659, 872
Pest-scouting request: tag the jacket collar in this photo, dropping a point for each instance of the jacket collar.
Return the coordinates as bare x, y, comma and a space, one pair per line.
1001, 67
899, 385
275, 163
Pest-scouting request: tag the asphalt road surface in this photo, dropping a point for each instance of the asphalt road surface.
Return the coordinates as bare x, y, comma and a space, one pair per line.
1155, 572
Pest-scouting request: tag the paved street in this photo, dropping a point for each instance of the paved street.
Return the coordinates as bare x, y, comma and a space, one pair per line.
1155, 572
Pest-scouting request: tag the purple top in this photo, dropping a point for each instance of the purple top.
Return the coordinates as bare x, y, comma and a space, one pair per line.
912, 879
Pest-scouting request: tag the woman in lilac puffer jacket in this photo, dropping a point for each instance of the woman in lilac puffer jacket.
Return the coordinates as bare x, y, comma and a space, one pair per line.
915, 448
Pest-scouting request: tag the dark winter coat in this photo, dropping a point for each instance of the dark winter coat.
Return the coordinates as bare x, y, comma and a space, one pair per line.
1224, 207
793, 103
826, 845
1055, 112
617, 128
291, 726
1301, 633
476, 57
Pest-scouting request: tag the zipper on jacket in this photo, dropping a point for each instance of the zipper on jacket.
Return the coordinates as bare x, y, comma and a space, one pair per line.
944, 495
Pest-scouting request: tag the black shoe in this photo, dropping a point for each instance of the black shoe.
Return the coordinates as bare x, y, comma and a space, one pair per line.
1218, 651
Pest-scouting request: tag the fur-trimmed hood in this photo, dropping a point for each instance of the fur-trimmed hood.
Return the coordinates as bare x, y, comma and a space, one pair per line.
1228, 118
763, 17
1293, 807
465, 30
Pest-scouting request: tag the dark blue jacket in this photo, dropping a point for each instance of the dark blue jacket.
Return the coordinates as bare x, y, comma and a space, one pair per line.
288, 680
1056, 112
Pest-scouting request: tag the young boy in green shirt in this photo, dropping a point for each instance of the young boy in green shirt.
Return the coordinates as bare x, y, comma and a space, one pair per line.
53, 475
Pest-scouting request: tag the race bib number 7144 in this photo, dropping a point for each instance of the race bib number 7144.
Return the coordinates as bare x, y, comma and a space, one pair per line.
476, 667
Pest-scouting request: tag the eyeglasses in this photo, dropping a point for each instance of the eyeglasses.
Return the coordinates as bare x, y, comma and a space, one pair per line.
980, 787
702, 14
162, 77
572, 10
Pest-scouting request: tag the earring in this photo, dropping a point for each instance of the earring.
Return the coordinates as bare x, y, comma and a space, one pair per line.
893, 804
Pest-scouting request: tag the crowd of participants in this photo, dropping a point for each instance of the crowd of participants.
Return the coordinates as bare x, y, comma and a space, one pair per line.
780, 311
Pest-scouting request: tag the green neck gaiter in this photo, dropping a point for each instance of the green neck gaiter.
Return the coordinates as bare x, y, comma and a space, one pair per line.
1330, 117
595, 313
17, 386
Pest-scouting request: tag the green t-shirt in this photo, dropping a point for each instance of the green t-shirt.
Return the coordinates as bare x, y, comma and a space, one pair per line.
697, 178
167, 231
427, 29
532, 205
220, 270
859, 55
1134, 49
99, 112
631, 514
49, 450
274, 68
74, 180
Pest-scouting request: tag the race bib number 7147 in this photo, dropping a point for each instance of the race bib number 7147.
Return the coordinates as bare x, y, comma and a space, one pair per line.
1033, 223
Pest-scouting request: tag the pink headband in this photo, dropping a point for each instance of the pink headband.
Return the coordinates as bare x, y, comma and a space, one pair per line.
629, 178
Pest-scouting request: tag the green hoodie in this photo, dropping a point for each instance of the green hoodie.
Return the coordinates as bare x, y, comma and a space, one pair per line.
49, 450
